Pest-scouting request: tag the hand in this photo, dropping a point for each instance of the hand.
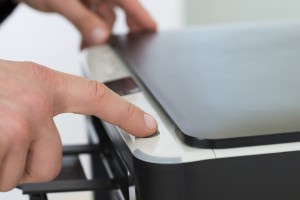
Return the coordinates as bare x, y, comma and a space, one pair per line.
30, 96
95, 18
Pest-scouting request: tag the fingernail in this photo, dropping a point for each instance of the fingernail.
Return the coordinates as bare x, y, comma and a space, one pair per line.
98, 35
150, 122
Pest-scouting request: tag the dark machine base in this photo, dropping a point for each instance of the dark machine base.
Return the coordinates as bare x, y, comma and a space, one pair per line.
274, 176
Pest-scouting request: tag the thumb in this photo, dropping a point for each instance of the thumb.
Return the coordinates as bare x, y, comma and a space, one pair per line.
89, 97
93, 29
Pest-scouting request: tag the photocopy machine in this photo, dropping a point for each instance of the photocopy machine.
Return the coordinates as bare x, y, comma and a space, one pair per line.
227, 102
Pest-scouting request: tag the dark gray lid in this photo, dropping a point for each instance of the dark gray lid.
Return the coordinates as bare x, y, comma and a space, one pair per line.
223, 86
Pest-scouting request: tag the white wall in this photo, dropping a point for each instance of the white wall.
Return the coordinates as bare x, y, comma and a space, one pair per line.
50, 40
220, 11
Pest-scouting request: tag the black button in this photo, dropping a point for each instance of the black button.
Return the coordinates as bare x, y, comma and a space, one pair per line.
123, 86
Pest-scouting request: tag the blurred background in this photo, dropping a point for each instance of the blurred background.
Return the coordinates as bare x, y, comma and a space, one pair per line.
50, 40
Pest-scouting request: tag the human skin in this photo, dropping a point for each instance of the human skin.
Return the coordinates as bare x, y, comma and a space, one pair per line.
95, 18
31, 95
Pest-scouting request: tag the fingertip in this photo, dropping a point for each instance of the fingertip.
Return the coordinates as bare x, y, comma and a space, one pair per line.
149, 24
152, 26
98, 35
150, 124
94, 29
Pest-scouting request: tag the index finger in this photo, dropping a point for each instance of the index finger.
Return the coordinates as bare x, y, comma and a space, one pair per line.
78, 95
137, 14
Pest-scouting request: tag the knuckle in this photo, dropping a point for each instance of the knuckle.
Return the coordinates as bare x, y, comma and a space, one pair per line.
100, 91
126, 113
5, 187
37, 102
131, 110
18, 131
50, 174
53, 172
29, 63
34, 98
38, 69
47, 173
43, 169
44, 74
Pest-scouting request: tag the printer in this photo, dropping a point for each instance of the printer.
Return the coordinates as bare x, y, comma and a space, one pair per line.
227, 102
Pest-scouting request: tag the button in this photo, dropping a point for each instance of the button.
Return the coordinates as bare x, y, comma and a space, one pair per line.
123, 86
154, 135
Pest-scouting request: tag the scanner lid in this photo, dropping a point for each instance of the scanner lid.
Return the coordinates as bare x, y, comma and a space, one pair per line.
223, 87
